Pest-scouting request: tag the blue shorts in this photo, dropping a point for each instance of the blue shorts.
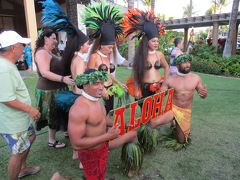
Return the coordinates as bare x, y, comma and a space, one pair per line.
19, 142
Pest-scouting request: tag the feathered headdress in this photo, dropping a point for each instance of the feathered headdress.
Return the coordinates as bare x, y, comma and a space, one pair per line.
142, 23
104, 20
54, 16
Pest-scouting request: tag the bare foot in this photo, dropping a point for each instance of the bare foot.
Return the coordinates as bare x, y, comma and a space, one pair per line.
57, 176
131, 173
75, 155
80, 165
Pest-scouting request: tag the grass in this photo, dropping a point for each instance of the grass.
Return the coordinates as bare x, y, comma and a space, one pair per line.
213, 154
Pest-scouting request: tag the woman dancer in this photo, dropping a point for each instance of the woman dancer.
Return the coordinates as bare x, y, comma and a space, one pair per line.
148, 60
105, 26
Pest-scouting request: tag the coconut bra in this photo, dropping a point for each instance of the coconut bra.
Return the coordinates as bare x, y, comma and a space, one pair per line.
103, 67
149, 65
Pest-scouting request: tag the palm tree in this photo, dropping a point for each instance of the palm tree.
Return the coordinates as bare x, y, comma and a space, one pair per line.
150, 4
131, 43
188, 10
71, 6
153, 5
228, 49
216, 7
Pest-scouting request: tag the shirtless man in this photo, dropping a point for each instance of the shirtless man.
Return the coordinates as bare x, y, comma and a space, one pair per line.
184, 83
87, 125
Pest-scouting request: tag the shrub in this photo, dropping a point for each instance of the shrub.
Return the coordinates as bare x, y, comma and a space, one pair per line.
207, 67
204, 51
206, 60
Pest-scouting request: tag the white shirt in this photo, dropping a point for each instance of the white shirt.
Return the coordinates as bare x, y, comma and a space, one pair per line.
61, 46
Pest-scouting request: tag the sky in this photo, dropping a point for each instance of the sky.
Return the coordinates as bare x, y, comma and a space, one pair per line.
174, 8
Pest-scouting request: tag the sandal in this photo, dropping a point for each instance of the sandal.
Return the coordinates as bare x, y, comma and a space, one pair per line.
29, 171
57, 145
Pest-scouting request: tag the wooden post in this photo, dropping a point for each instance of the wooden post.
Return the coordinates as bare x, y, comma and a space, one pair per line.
185, 39
215, 33
31, 23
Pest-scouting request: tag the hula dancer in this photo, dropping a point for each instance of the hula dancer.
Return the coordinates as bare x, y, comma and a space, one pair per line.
148, 60
184, 83
104, 22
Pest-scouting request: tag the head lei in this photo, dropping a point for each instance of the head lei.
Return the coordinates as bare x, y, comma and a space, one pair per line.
90, 76
104, 20
54, 16
142, 23
182, 58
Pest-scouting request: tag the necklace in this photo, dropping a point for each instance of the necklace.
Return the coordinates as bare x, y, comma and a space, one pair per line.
89, 97
151, 52
181, 74
80, 54
101, 54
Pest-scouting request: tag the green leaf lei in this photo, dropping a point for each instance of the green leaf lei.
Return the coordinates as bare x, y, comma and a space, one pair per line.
182, 58
91, 77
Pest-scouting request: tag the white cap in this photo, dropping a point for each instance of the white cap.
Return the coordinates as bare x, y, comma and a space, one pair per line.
8, 38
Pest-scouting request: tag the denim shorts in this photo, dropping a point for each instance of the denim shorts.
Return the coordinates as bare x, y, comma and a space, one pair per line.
19, 142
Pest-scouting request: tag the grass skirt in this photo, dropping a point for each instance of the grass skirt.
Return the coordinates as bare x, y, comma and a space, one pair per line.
148, 138
170, 141
51, 115
132, 156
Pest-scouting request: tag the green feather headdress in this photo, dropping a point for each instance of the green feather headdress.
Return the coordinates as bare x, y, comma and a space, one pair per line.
182, 58
104, 20
91, 78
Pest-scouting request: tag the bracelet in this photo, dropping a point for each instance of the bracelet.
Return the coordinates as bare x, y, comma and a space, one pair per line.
62, 78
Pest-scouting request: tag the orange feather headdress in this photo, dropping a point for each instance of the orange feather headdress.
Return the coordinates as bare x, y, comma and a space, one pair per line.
142, 23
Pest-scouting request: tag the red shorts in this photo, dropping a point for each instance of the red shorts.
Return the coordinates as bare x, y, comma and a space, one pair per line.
94, 162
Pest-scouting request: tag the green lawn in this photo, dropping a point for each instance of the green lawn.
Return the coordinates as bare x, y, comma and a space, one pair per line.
213, 154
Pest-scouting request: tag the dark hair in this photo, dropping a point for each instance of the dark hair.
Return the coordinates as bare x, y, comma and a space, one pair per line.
177, 41
72, 45
140, 61
96, 45
47, 32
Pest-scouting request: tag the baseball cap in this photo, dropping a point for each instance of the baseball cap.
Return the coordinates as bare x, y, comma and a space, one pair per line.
8, 38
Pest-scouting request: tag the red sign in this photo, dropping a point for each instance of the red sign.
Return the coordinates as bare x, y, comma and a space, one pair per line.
152, 107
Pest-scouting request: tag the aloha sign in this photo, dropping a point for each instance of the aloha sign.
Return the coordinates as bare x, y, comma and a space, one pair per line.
152, 107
